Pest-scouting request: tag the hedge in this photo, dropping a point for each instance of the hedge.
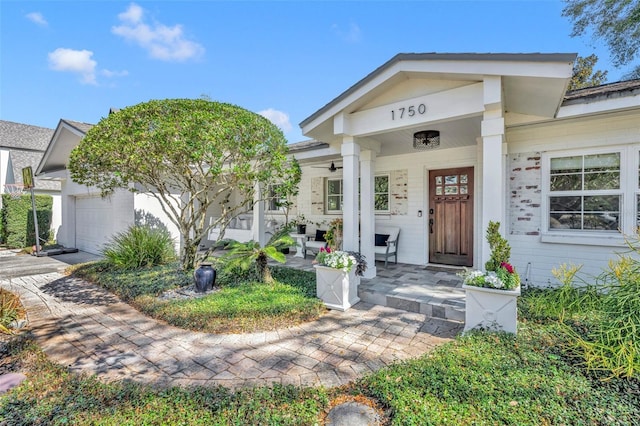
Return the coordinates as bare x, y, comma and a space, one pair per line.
17, 220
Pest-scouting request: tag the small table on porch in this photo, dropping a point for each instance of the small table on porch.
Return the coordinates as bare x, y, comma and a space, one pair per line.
300, 240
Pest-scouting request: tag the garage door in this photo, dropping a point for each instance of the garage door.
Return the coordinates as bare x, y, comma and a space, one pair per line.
94, 223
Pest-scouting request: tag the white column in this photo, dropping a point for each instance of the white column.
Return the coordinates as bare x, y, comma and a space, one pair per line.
367, 216
350, 173
493, 163
258, 229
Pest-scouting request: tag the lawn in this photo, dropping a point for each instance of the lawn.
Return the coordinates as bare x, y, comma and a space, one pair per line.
477, 379
240, 305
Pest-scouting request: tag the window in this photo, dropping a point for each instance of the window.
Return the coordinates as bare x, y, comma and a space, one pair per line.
381, 194
585, 192
334, 195
275, 201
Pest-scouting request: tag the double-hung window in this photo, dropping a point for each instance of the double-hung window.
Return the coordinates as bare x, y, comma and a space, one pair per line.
334, 194
585, 192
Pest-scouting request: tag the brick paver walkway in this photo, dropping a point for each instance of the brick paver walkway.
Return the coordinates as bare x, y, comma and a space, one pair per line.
89, 330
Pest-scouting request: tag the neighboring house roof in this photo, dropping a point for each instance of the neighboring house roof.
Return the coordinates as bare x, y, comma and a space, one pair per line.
22, 159
66, 136
306, 146
24, 136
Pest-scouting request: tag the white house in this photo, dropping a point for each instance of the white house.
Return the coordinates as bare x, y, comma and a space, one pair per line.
23, 145
88, 220
440, 144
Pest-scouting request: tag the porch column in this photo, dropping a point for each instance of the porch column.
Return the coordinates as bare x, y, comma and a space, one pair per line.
493, 163
258, 229
350, 173
367, 216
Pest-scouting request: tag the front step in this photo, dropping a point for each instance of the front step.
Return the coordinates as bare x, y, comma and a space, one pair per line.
433, 291
446, 309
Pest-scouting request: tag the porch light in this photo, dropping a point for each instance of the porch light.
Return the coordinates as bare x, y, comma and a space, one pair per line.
426, 139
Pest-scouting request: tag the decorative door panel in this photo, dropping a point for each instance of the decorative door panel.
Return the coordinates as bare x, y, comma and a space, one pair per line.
451, 216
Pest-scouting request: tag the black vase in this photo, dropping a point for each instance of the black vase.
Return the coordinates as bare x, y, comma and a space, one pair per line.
302, 229
205, 277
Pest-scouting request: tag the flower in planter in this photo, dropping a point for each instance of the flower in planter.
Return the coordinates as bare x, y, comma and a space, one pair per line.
343, 260
504, 278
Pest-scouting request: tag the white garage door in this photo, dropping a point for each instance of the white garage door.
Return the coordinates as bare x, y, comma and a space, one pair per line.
94, 223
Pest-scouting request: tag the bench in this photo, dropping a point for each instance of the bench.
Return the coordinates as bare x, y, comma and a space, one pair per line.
386, 242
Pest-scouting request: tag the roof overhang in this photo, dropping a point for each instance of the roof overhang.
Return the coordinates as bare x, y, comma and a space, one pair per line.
66, 136
534, 84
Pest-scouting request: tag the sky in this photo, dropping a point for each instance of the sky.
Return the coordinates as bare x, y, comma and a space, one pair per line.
283, 59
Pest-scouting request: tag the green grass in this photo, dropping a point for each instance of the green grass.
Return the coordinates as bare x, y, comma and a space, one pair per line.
235, 308
478, 379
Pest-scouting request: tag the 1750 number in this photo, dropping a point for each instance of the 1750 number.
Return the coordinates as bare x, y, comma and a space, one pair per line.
409, 111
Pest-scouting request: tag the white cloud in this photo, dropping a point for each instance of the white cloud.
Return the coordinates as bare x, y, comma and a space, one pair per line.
112, 74
279, 118
36, 17
75, 61
352, 35
162, 42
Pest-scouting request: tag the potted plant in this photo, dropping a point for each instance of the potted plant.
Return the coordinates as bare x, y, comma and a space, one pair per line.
338, 276
491, 295
300, 222
333, 237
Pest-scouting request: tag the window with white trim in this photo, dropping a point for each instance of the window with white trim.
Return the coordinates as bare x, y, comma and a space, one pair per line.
381, 193
334, 194
275, 201
591, 194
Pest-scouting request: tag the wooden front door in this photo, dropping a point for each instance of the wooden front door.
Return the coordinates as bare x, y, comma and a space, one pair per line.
450, 224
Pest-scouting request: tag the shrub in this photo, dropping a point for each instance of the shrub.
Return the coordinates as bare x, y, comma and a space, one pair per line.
140, 246
10, 310
18, 230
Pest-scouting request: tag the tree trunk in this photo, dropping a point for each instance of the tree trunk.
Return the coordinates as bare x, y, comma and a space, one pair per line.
263, 269
188, 257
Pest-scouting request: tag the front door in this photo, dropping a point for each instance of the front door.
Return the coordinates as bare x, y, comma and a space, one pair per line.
450, 224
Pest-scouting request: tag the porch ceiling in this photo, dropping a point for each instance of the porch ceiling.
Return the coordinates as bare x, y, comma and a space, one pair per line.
453, 134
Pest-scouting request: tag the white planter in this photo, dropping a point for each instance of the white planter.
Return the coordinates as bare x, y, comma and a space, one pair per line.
490, 308
337, 289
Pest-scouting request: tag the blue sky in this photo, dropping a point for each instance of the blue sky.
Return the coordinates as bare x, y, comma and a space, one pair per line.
283, 59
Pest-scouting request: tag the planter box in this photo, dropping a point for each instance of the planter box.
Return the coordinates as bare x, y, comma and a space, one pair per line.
491, 309
337, 289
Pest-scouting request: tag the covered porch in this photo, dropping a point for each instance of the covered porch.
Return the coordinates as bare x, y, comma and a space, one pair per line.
435, 291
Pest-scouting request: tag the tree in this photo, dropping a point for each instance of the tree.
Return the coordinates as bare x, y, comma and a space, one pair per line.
583, 74
615, 21
243, 255
188, 154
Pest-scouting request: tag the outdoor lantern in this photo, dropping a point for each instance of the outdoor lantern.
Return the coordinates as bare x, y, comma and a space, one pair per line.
426, 139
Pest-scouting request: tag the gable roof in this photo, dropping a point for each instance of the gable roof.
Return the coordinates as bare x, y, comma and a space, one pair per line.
66, 136
484, 63
24, 136
22, 159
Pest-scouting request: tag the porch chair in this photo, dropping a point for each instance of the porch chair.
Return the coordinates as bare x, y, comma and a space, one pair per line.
315, 244
386, 242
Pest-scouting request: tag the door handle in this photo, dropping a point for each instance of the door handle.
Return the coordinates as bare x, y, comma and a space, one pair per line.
431, 226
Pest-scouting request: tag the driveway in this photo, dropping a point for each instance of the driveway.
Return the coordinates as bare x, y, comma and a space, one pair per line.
20, 265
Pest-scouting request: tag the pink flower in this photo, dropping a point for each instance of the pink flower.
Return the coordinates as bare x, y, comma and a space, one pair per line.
325, 250
507, 266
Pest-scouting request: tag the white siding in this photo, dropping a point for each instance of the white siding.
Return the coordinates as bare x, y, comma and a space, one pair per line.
525, 213
413, 245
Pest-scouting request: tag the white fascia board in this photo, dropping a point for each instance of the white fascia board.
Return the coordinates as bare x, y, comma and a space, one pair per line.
62, 125
331, 151
608, 105
459, 102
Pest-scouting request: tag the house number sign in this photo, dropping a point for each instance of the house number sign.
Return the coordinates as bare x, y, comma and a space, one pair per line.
406, 112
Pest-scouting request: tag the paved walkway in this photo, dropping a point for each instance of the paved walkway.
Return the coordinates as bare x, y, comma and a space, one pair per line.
89, 330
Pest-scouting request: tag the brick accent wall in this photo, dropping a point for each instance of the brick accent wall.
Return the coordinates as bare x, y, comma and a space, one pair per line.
525, 193
398, 189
